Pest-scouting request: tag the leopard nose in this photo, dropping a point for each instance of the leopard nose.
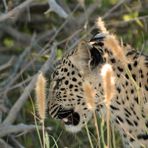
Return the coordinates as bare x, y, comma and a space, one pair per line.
70, 117
73, 119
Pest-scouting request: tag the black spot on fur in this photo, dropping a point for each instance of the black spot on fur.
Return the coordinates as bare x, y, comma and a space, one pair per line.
126, 75
118, 102
118, 75
70, 86
146, 88
80, 83
126, 83
129, 122
146, 123
73, 72
66, 82
135, 63
65, 69
83, 103
136, 99
123, 102
131, 139
79, 96
132, 91
118, 89
130, 67
139, 84
120, 69
79, 75
130, 52
74, 79
136, 123
126, 110
113, 107
142, 136
124, 135
134, 76
120, 119
113, 61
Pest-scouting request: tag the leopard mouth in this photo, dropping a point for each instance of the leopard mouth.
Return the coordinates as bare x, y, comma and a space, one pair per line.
68, 116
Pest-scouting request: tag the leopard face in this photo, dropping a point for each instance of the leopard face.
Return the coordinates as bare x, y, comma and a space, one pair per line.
67, 101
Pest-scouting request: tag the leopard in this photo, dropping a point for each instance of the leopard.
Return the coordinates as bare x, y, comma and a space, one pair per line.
128, 111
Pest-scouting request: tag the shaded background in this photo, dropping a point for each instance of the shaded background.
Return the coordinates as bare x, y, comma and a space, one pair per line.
33, 36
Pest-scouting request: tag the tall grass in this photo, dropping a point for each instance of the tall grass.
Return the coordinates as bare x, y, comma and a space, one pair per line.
41, 106
109, 89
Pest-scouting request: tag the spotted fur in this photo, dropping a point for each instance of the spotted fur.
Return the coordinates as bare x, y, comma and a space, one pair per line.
128, 112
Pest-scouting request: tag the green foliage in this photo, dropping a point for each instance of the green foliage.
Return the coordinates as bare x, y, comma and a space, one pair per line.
59, 53
8, 42
107, 3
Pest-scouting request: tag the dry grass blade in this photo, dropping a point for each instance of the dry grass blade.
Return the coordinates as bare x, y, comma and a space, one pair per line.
41, 96
108, 86
112, 43
100, 25
89, 93
108, 82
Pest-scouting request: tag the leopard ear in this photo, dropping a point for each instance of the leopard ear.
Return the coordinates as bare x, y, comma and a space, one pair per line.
81, 56
86, 57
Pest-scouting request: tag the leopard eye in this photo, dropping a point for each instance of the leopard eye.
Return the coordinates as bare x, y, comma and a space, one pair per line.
57, 82
54, 83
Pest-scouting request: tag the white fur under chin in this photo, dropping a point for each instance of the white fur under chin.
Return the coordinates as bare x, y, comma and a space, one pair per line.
72, 129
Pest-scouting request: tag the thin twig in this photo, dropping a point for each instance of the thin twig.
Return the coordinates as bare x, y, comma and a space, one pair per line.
23, 38
55, 7
108, 13
6, 65
123, 23
5, 5
3, 144
19, 62
16, 11
20, 102
20, 128
12, 139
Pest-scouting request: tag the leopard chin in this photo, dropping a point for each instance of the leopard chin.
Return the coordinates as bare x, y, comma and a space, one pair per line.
73, 129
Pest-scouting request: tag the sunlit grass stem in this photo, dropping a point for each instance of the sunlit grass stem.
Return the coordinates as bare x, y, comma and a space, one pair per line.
41, 101
108, 86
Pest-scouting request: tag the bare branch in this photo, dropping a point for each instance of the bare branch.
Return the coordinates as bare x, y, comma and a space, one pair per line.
6, 65
55, 7
20, 102
108, 13
15, 142
18, 36
7, 130
16, 11
3, 144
